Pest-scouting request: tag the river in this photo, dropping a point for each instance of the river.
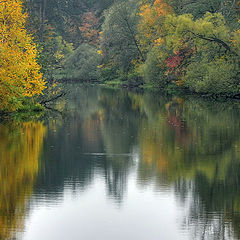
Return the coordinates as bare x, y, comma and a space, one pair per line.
118, 165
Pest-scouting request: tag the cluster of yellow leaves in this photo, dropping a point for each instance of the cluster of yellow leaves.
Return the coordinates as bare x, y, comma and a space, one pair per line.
100, 66
19, 71
100, 52
159, 41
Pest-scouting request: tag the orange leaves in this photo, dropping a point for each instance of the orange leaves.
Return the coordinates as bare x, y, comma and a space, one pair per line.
161, 8
145, 10
19, 72
89, 28
150, 27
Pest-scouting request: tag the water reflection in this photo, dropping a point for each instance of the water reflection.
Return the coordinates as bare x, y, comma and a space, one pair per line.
20, 147
163, 161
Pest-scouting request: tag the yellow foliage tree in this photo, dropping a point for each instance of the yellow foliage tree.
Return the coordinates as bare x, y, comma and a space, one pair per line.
150, 27
19, 71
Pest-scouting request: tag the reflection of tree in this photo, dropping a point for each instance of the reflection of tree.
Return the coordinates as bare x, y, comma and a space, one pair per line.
92, 123
70, 136
191, 144
218, 196
20, 147
116, 180
118, 128
207, 209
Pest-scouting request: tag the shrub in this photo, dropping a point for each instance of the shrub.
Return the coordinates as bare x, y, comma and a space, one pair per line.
153, 71
218, 76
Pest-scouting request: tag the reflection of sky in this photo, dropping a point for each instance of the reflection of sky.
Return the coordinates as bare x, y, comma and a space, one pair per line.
92, 215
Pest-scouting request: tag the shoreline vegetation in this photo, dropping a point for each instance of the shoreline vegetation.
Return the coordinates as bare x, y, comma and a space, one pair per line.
35, 108
170, 46
140, 86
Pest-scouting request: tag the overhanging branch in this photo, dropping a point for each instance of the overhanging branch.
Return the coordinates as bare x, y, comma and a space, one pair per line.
216, 40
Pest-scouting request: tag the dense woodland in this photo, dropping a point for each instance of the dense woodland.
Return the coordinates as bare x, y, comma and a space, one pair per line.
165, 44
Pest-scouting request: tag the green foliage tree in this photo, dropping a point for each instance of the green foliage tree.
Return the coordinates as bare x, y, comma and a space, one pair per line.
119, 44
208, 55
81, 65
153, 69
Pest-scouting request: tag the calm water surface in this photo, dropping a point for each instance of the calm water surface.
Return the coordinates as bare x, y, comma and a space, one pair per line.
109, 165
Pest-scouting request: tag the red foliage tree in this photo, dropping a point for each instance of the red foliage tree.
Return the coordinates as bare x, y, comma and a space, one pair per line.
89, 28
177, 61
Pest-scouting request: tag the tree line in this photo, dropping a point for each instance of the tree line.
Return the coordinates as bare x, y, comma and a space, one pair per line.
171, 44
167, 44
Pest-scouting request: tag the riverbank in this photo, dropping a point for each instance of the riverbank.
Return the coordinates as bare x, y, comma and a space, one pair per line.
171, 89
27, 111
35, 110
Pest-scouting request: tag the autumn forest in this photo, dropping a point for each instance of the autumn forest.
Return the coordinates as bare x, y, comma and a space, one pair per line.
170, 45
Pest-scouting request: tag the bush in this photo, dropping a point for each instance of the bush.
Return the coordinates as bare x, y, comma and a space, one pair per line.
153, 71
218, 76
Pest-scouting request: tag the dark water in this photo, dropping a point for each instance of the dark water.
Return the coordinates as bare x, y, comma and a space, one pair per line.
109, 165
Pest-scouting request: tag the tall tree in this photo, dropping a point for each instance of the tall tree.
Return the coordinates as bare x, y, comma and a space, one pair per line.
150, 27
19, 71
118, 41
